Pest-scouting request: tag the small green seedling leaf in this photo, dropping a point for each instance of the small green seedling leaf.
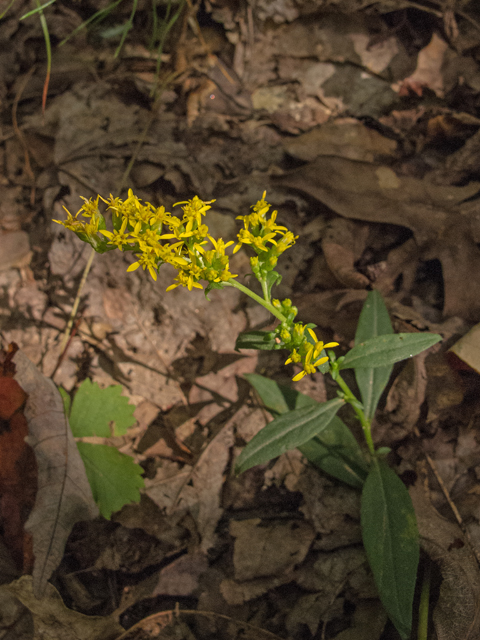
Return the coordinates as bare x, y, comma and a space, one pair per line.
256, 340
385, 350
286, 432
390, 537
335, 451
114, 477
93, 409
374, 321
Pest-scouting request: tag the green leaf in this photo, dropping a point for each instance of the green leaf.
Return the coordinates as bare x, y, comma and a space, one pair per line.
335, 452
385, 350
67, 401
273, 278
256, 340
93, 409
286, 432
390, 537
374, 321
277, 397
37, 10
114, 477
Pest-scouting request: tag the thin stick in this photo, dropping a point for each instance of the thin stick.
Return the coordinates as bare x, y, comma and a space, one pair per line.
73, 313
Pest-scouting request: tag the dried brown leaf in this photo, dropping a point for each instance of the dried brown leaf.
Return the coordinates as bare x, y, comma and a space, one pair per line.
457, 612
54, 621
64, 496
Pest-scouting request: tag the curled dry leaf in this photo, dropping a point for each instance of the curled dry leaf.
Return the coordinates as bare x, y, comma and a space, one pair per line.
457, 613
54, 621
64, 496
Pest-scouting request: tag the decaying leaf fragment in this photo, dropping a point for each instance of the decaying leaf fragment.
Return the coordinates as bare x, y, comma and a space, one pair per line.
64, 496
54, 621
457, 612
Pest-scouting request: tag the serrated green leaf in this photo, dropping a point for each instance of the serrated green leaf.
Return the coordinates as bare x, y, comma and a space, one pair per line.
335, 452
374, 321
390, 537
93, 409
385, 350
114, 477
286, 432
255, 340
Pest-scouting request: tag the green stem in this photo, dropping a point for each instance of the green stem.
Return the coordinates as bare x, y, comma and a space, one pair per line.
424, 603
264, 284
264, 303
352, 400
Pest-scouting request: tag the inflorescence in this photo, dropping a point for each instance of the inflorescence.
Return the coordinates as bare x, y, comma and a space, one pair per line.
157, 237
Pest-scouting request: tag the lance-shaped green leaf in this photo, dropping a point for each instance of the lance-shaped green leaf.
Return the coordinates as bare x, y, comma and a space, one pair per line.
335, 451
278, 398
384, 350
256, 340
374, 321
390, 537
286, 432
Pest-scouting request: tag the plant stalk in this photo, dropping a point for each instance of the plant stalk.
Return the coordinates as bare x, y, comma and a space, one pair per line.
264, 303
352, 400
424, 603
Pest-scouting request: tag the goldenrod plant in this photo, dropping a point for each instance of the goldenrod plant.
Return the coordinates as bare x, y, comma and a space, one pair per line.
156, 237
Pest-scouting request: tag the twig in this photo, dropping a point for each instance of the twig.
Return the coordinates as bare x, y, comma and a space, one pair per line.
19, 134
453, 507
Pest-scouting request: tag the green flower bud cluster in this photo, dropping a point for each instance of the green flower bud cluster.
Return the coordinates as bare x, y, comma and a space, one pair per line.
294, 336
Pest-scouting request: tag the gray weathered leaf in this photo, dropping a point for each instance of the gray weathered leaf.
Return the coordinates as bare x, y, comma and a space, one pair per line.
64, 496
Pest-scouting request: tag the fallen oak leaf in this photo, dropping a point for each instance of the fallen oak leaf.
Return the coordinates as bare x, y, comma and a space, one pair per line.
64, 496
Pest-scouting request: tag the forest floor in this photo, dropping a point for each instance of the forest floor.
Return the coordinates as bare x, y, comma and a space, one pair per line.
362, 123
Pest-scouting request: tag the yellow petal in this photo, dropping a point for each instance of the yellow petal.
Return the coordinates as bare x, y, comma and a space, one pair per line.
299, 376
319, 362
330, 344
312, 333
172, 286
133, 266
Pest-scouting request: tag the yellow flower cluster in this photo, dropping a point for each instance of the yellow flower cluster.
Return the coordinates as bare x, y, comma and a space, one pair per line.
257, 232
157, 237
293, 336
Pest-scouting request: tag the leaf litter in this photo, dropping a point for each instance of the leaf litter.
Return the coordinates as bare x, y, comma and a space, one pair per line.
363, 127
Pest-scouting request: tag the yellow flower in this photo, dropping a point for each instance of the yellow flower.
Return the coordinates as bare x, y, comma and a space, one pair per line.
319, 346
118, 238
71, 222
186, 280
147, 261
294, 357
